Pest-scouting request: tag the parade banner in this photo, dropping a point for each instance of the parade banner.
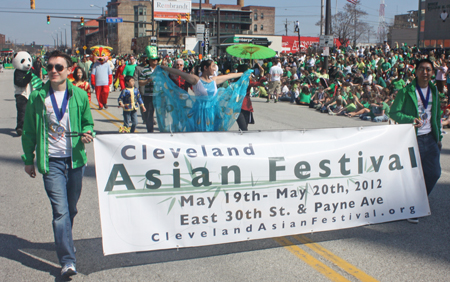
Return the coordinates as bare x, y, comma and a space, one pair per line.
166, 10
162, 191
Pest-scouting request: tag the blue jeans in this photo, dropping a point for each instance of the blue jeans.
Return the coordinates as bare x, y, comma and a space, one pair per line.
63, 187
131, 116
380, 118
430, 158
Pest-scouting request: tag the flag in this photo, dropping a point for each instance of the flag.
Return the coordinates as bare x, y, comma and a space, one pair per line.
353, 1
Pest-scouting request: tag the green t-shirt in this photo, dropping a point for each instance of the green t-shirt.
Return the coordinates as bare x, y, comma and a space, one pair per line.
385, 66
129, 70
386, 108
398, 84
305, 98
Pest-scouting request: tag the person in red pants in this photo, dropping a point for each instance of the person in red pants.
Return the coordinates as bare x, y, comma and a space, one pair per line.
101, 76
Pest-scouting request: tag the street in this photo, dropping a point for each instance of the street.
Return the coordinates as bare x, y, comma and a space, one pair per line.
394, 251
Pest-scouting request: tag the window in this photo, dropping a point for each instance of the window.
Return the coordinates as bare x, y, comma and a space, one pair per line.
226, 26
256, 16
232, 26
141, 12
447, 43
255, 27
262, 16
262, 27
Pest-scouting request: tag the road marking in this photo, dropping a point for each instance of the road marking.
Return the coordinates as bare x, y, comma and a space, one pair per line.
310, 260
115, 120
341, 263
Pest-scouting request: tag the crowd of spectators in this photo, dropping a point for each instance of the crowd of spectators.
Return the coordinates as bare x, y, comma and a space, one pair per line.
358, 83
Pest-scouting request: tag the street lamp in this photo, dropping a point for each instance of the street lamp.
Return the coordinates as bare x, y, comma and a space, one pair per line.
65, 36
92, 5
60, 28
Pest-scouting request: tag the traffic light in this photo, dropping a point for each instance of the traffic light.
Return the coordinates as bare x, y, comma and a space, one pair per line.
188, 17
179, 18
48, 19
32, 4
82, 21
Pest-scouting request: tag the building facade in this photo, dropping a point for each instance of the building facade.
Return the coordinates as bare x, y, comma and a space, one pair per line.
434, 24
405, 29
220, 19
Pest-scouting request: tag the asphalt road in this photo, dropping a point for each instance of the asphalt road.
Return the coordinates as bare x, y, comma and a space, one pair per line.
395, 251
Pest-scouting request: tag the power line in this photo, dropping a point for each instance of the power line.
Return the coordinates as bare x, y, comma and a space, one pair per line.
46, 13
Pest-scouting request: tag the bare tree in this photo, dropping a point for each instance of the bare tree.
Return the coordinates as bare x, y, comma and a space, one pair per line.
349, 25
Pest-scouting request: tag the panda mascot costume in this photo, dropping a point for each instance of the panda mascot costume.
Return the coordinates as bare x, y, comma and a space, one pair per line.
25, 81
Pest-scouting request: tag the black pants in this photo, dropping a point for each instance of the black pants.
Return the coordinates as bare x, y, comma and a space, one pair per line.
147, 116
21, 105
243, 120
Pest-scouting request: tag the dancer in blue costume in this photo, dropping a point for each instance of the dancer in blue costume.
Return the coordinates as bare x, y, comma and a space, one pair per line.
211, 109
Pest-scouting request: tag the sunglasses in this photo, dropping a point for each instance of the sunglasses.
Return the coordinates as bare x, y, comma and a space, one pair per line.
58, 67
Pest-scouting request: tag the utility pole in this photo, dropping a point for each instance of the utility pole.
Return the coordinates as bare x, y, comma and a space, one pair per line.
299, 41
322, 22
354, 41
200, 10
327, 28
285, 26
153, 18
218, 31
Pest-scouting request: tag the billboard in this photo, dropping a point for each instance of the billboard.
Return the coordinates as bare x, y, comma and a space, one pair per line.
166, 10
290, 43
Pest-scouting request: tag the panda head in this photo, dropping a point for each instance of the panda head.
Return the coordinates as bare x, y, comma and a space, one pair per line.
22, 61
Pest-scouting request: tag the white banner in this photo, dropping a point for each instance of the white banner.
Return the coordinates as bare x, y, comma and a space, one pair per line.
161, 191
169, 10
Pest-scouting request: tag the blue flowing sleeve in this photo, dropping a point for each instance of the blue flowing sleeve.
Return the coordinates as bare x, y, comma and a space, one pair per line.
179, 111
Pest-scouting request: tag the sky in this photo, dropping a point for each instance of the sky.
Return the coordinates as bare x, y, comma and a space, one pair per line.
20, 24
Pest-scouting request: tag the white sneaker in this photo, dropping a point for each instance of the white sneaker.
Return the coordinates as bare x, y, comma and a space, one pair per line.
414, 220
68, 270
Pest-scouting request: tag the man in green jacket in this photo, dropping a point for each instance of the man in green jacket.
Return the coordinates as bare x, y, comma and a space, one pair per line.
418, 104
58, 122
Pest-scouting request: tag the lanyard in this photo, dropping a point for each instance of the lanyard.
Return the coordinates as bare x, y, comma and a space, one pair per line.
424, 101
59, 113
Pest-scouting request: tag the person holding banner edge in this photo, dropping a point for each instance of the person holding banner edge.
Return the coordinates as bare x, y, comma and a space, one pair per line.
58, 122
418, 103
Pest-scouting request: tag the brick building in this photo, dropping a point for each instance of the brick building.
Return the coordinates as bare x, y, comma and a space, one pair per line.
405, 29
434, 23
227, 20
87, 35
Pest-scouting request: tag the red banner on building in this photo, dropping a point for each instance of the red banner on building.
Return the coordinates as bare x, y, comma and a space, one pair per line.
290, 43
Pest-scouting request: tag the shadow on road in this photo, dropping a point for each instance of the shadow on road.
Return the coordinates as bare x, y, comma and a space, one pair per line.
9, 131
400, 236
90, 258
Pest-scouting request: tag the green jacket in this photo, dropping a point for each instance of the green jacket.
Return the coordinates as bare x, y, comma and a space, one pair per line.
35, 128
405, 108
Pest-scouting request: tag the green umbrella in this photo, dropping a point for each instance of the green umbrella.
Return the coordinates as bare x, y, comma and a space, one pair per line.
250, 51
